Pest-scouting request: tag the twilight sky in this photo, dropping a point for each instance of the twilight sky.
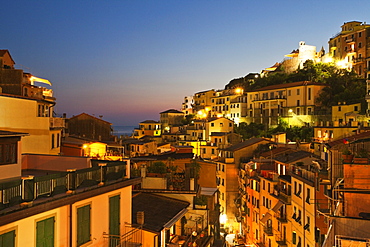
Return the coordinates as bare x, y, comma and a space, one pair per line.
131, 60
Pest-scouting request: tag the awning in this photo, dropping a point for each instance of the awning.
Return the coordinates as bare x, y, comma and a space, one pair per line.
41, 80
265, 218
207, 191
277, 206
176, 218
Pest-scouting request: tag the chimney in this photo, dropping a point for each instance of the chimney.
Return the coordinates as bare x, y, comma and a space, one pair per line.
140, 217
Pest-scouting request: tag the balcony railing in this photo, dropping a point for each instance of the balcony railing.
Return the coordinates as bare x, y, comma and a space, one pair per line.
131, 238
57, 122
28, 189
268, 231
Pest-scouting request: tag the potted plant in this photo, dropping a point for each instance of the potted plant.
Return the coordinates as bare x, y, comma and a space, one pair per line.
347, 156
157, 169
200, 202
362, 157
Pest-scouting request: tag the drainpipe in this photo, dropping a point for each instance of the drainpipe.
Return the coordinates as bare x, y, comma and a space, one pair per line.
70, 225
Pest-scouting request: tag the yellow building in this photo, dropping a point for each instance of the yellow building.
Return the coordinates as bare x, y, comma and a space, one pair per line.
77, 207
349, 48
201, 129
148, 128
294, 102
28, 108
170, 118
202, 101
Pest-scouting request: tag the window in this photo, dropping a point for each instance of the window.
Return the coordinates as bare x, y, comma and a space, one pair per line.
295, 187
298, 102
58, 140
299, 216
45, 232
359, 34
356, 108
309, 111
213, 151
308, 222
83, 225
8, 239
294, 216
289, 92
359, 45
299, 190
298, 91
52, 141
8, 151
294, 237
114, 215
308, 197
309, 94
212, 124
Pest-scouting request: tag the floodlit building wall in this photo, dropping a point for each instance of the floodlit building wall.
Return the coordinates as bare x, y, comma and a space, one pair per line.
20, 115
99, 221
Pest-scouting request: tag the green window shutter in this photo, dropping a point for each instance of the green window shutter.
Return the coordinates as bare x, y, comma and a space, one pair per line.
114, 215
45, 233
83, 225
7, 239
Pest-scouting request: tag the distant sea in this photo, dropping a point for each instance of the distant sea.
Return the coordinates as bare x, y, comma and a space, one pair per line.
121, 130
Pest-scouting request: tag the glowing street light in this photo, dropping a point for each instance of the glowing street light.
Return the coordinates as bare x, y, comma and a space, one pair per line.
238, 90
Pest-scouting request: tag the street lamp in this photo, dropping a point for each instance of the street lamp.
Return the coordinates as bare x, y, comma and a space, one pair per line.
290, 111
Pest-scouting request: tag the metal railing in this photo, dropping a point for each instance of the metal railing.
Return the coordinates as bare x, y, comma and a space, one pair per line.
30, 188
132, 238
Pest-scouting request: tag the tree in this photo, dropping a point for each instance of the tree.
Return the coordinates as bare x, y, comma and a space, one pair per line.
248, 131
157, 167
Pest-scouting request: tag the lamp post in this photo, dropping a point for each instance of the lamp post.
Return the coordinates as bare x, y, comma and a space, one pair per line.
289, 112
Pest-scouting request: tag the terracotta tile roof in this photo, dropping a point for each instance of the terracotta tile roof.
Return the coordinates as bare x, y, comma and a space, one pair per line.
3, 52
292, 157
158, 210
81, 114
172, 111
349, 139
149, 121
4, 133
245, 144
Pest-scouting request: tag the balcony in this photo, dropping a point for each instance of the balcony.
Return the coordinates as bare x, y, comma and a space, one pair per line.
268, 231
285, 198
57, 122
132, 237
28, 189
229, 160
283, 219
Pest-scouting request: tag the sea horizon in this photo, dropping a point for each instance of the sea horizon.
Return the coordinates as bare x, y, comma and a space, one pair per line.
123, 130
